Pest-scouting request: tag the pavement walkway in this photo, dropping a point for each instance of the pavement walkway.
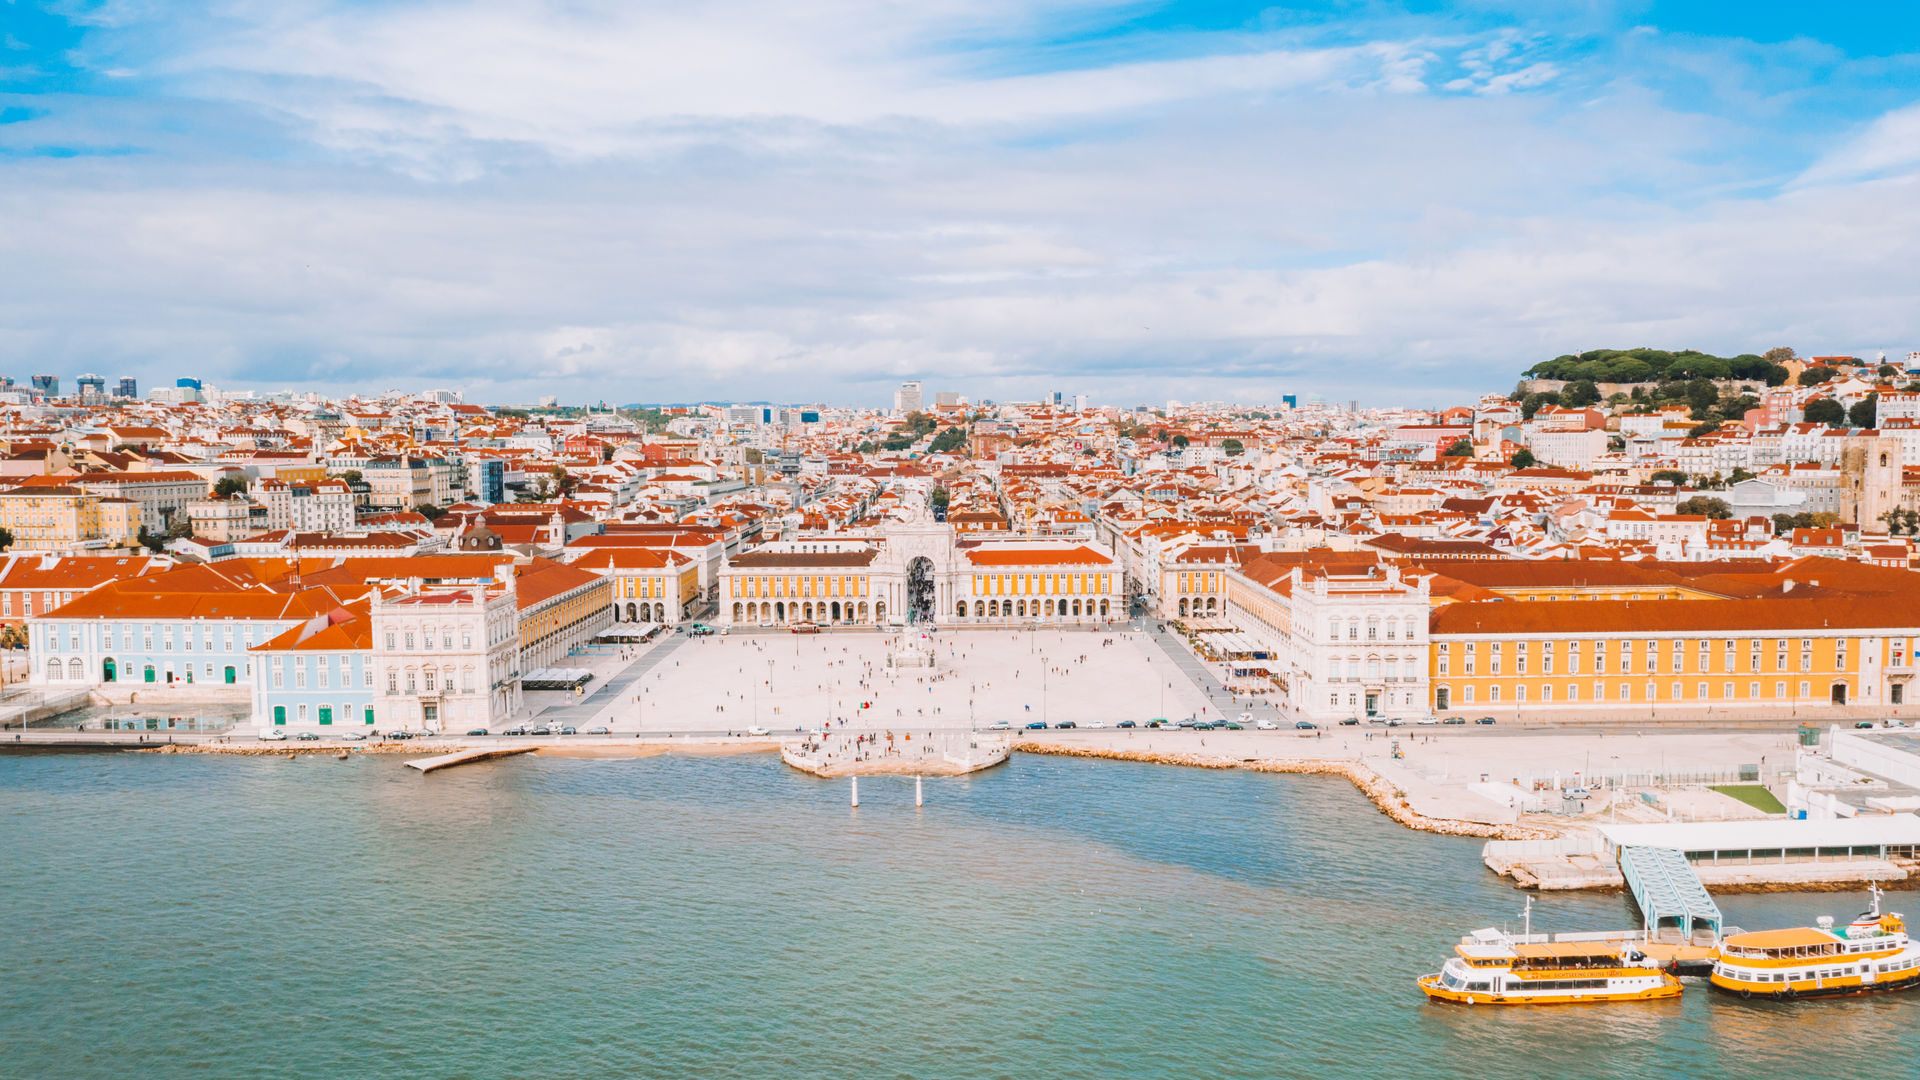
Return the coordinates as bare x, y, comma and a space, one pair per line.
1225, 704
613, 692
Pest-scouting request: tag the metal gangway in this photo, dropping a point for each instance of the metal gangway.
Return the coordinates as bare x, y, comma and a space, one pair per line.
1674, 906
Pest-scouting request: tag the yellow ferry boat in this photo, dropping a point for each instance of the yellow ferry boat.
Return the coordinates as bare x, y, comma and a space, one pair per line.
1872, 955
1489, 968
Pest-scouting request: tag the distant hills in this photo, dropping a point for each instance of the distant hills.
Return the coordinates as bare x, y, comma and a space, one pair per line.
1657, 365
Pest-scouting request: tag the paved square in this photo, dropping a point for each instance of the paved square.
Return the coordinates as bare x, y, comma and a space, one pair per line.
788, 681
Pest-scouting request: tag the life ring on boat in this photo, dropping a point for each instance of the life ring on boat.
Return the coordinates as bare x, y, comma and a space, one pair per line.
1746, 994
1789, 992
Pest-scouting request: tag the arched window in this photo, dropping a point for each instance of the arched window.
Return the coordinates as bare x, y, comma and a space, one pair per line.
76, 671
53, 670
979, 609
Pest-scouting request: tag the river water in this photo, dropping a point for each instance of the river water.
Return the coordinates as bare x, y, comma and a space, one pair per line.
186, 916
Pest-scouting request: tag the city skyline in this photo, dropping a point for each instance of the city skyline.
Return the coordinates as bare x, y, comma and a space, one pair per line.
1140, 201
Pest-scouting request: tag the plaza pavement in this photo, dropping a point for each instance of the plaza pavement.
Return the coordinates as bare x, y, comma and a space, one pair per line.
784, 681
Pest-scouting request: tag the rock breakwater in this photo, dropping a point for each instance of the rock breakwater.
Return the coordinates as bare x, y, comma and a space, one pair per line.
1371, 784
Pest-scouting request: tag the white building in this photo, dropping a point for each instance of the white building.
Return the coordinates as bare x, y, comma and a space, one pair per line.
446, 659
911, 397
1350, 639
323, 507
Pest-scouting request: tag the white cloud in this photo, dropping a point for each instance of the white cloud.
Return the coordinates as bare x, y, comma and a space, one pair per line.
677, 202
1888, 145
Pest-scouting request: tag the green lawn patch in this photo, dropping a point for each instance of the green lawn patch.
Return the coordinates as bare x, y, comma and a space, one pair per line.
1753, 795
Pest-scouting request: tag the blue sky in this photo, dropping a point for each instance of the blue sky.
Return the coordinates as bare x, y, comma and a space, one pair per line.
1389, 201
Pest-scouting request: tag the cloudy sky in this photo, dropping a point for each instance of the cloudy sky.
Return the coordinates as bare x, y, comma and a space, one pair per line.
634, 201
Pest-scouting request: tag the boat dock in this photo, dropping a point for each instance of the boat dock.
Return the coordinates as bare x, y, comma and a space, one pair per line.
1673, 902
940, 752
463, 757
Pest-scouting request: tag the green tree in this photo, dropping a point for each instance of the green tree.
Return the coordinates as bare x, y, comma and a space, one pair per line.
429, 511
1232, 448
1703, 395
1580, 394
1814, 376
867, 447
1669, 476
1862, 413
754, 456
1181, 442
939, 498
1738, 475
1460, 448
1716, 509
1703, 428
1523, 459
564, 482
1826, 410
229, 486
1887, 371
948, 441
351, 476
1533, 403
6, 539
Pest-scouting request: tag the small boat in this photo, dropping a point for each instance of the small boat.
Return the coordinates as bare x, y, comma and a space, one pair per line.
1872, 955
1490, 968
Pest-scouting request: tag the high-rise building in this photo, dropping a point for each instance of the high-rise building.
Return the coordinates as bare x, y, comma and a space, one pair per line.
91, 387
946, 397
128, 388
188, 384
911, 397
1079, 403
46, 385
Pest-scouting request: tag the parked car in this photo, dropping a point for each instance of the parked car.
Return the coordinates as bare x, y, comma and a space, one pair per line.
478, 731
569, 729
1126, 723
699, 629
1246, 718
1230, 725
1037, 725
1428, 720
1187, 723
272, 735
541, 730
758, 731
308, 736
1063, 724
1484, 720
1096, 723
402, 734
1863, 723
355, 736
999, 725
599, 729
1266, 725
1394, 721
1306, 725
1158, 721
1454, 720
1351, 721
805, 628
517, 729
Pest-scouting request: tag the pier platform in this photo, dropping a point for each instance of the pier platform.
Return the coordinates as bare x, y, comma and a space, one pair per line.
464, 757
922, 752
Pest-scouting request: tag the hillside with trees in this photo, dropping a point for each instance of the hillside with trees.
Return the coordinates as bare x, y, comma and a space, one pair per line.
1645, 365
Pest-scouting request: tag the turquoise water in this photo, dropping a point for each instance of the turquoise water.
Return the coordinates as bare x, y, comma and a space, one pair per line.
726, 917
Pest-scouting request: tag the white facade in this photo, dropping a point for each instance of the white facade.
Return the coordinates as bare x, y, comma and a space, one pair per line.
323, 507
446, 660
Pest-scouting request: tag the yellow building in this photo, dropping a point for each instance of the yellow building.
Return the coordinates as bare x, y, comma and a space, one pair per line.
45, 515
1658, 657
